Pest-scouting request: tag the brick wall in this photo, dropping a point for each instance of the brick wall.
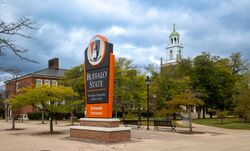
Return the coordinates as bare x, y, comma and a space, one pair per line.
28, 81
109, 137
100, 123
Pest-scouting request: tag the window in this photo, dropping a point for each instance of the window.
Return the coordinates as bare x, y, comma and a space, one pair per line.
39, 82
61, 103
171, 54
47, 82
54, 83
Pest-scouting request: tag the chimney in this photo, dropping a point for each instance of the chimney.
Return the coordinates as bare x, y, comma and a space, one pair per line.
54, 63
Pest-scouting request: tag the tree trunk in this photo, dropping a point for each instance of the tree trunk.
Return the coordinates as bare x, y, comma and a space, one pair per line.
139, 112
199, 112
190, 119
51, 123
174, 116
116, 106
72, 120
13, 119
123, 111
204, 112
42, 117
6, 114
55, 117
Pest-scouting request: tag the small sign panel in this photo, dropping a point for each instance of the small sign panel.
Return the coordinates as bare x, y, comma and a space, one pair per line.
99, 78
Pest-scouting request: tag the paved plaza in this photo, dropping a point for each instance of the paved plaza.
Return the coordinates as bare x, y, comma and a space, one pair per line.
33, 136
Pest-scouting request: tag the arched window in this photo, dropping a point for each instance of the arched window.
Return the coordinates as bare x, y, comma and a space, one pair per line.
171, 54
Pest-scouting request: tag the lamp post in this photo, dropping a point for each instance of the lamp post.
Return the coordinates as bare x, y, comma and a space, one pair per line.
147, 83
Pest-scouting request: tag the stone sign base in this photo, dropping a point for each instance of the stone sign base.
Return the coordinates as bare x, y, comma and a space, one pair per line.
100, 129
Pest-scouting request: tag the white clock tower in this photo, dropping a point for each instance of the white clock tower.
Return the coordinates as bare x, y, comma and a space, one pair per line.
174, 48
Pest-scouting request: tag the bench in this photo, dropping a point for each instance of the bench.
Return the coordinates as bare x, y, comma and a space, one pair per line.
132, 122
166, 123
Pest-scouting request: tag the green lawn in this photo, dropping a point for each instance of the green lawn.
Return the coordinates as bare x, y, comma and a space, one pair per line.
230, 123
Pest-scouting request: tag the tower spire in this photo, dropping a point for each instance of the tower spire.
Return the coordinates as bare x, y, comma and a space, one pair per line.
174, 48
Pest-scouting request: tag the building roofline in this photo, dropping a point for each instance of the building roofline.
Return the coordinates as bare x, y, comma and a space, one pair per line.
177, 45
34, 74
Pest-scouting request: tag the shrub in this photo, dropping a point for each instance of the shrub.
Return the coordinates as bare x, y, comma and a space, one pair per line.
211, 112
145, 114
37, 116
2, 113
222, 115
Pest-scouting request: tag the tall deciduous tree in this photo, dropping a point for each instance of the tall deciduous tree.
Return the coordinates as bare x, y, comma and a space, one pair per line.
212, 76
15, 73
74, 78
243, 97
237, 64
121, 95
169, 83
136, 90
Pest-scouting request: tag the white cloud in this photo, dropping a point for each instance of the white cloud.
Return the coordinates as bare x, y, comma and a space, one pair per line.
112, 9
152, 13
8, 12
115, 31
137, 30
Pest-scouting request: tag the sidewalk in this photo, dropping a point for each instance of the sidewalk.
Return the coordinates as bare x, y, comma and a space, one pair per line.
32, 136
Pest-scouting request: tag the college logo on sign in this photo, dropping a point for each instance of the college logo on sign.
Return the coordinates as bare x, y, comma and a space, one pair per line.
96, 50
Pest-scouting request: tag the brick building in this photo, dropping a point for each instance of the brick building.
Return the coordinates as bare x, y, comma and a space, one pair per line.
49, 76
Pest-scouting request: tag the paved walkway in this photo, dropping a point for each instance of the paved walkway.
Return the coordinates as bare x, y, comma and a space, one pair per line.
32, 136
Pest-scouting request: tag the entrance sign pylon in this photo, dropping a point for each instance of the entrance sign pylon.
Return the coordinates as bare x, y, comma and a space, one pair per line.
99, 83
99, 78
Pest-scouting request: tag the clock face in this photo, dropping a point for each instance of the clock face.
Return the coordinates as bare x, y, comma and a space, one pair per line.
96, 50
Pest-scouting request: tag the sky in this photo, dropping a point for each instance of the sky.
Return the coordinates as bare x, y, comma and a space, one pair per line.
139, 29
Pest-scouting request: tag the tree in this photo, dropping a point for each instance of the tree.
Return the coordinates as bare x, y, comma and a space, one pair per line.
130, 88
170, 82
136, 90
10, 31
74, 78
185, 66
242, 97
2, 107
212, 76
222, 115
122, 67
186, 99
15, 73
50, 99
237, 64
